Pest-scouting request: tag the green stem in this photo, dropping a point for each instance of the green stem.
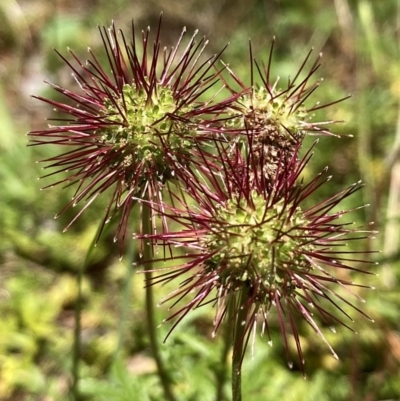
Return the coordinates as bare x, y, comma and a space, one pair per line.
125, 302
150, 314
238, 340
76, 349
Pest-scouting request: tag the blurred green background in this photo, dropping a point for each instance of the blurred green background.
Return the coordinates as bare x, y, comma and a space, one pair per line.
360, 40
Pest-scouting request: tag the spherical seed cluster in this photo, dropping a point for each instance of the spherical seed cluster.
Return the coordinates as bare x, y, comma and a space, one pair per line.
259, 245
131, 129
273, 112
275, 123
143, 124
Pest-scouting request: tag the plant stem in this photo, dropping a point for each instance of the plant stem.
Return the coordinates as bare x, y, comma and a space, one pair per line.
126, 301
151, 325
238, 345
76, 349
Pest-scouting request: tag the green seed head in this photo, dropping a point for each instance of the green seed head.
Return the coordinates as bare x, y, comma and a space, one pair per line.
257, 245
276, 124
140, 124
276, 112
271, 113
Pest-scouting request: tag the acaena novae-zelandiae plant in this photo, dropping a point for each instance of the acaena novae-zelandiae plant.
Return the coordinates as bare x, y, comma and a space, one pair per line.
131, 118
255, 251
147, 119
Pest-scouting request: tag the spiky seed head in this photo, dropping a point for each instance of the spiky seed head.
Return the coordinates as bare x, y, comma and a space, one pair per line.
259, 249
128, 131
